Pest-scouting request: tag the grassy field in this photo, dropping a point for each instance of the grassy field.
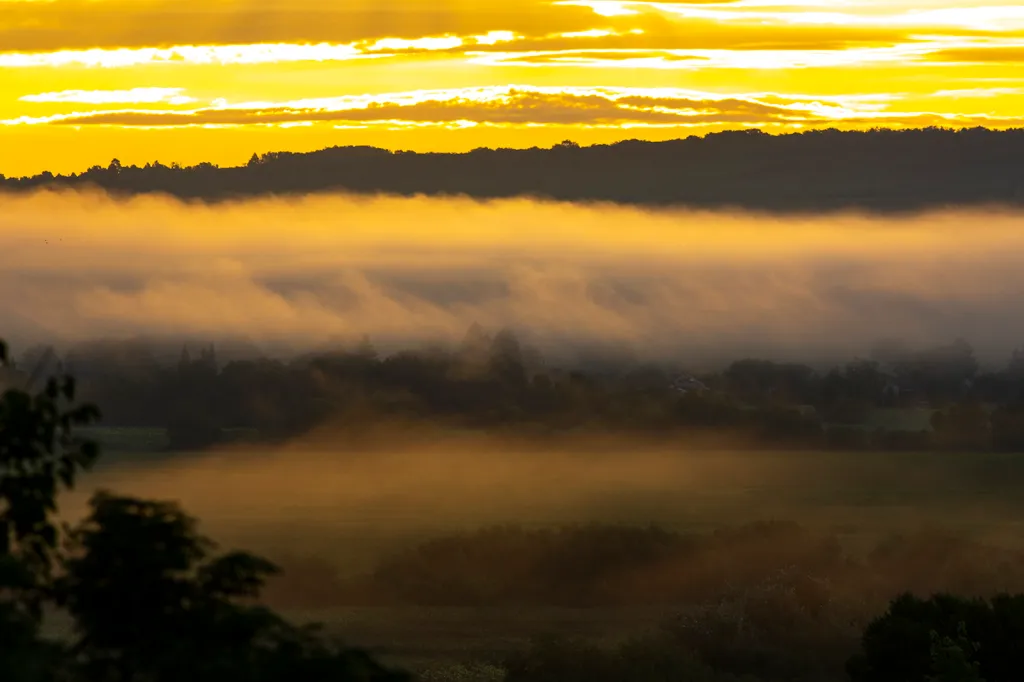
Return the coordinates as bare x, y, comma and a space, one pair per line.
350, 509
345, 494
424, 639
429, 637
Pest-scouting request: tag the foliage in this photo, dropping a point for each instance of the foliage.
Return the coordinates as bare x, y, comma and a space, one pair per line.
953, 658
882, 170
191, 616
500, 383
651, 658
580, 566
40, 454
788, 627
463, 672
149, 602
919, 640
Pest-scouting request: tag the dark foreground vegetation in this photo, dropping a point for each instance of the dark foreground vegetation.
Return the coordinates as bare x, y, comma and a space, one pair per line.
497, 383
149, 599
767, 601
878, 170
608, 566
152, 601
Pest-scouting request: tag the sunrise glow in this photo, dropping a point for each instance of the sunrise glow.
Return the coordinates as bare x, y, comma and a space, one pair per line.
144, 80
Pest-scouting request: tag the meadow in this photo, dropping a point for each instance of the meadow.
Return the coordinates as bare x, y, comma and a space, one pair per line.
332, 515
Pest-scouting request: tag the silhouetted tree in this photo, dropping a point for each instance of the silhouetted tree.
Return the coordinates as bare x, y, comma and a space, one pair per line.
149, 603
900, 646
883, 170
953, 658
40, 454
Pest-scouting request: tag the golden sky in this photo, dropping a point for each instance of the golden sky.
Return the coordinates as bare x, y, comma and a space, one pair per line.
83, 81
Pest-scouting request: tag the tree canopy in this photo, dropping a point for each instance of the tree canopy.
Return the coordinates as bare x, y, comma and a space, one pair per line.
149, 600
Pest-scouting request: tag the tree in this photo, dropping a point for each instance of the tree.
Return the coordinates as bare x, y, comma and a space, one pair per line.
953, 658
192, 418
148, 601
506, 360
151, 603
365, 350
927, 640
39, 455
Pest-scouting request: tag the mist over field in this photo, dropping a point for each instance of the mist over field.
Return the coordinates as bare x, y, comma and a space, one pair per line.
352, 503
299, 273
511, 341
442, 508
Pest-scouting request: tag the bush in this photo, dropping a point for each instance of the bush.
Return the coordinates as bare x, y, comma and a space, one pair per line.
654, 658
594, 565
148, 600
472, 672
788, 628
919, 640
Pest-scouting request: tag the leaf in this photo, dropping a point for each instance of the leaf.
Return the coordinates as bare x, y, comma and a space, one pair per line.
49, 535
14, 573
69, 388
67, 476
238, 574
90, 451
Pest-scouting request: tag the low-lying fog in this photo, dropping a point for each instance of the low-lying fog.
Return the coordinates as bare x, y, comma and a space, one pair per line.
306, 271
326, 496
696, 286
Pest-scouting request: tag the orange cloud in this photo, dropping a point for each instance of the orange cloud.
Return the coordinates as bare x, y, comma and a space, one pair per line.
524, 105
78, 64
133, 96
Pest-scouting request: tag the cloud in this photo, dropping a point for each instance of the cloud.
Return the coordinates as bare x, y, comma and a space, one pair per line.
708, 50
975, 93
993, 18
186, 54
133, 96
764, 56
84, 24
981, 54
674, 282
97, 27
270, 57
707, 34
255, 53
525, 105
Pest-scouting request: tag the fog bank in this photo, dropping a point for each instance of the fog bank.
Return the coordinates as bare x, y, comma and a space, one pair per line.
693, 284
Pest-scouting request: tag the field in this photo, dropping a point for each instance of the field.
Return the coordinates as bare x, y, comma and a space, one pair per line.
350, 509
460, 484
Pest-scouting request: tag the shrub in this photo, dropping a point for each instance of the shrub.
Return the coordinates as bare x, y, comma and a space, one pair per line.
916, 636
653, 658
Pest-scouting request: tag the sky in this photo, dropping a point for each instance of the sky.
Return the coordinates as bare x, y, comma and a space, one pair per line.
190, 81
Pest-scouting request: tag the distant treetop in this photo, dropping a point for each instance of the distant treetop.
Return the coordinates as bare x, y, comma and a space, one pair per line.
879, 170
